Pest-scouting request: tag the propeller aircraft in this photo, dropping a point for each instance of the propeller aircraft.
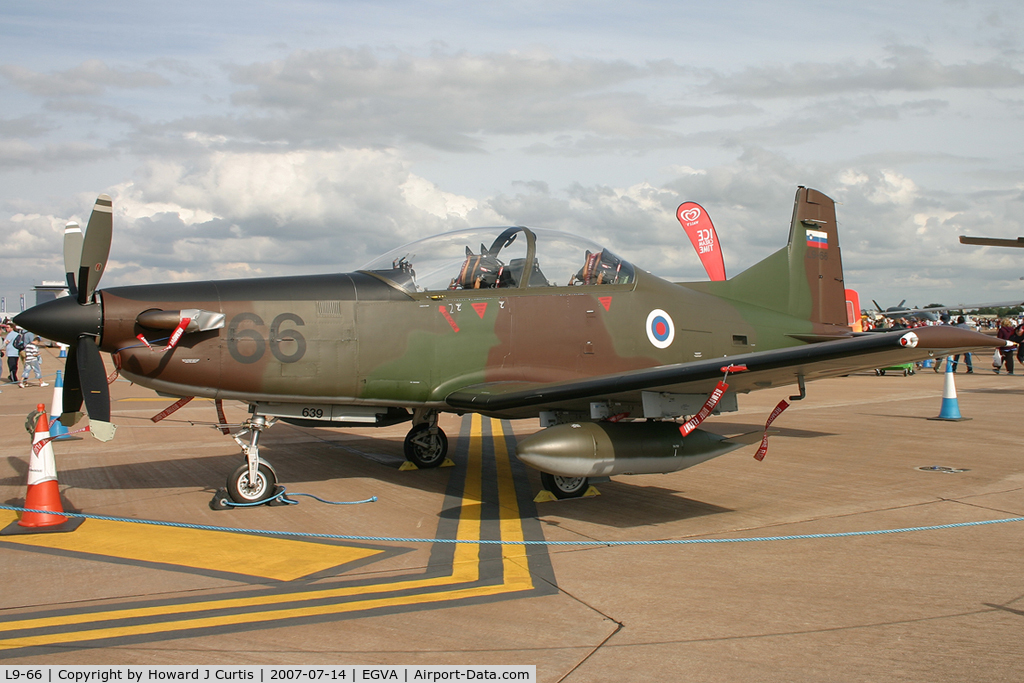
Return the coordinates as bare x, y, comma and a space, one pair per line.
533, 323
933, 313
899, 311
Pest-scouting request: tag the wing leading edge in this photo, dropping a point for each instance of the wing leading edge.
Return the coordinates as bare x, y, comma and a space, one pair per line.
764, 369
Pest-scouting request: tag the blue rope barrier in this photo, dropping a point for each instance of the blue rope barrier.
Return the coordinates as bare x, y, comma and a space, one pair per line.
390, 539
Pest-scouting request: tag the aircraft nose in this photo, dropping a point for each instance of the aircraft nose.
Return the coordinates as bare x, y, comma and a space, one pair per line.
62, 320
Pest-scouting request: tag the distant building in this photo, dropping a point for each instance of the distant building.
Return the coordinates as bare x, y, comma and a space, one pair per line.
49, 290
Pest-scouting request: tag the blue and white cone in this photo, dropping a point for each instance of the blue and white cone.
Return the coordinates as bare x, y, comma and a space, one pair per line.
950, 410
63, 351
56, 408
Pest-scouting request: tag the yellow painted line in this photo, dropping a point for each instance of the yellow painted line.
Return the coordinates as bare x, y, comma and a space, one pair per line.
270, 558
235, 619
465, 569
514, 558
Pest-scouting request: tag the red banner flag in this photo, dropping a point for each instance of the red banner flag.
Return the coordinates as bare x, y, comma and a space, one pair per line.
699, 229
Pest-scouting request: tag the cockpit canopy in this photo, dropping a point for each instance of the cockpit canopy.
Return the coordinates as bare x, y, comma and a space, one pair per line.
497, 258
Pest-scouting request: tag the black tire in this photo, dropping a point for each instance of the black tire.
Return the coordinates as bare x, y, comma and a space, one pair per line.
564, 487
241, 492
424, 449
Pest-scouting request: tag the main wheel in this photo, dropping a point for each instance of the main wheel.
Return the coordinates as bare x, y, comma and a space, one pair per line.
242, 490
564, 487
424, 448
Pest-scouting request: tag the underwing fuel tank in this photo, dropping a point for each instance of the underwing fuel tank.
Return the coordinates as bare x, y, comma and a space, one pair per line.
601, 449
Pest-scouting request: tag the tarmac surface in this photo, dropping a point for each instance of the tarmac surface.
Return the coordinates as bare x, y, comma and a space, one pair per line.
858, 455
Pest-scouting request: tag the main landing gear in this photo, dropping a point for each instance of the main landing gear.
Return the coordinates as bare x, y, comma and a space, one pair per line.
426, 445
564, 487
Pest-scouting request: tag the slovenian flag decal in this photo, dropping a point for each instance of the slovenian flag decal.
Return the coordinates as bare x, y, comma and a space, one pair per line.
817, 239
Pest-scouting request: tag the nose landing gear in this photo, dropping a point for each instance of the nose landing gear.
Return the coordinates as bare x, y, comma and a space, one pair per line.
255, 481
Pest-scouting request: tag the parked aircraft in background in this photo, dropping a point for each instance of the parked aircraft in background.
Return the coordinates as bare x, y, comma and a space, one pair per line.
509, 322
900, 311
933, 313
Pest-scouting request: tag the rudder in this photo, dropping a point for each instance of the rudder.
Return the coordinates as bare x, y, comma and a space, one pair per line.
814, 253
804, 279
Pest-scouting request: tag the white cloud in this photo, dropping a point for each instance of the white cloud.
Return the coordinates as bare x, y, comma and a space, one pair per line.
89, 78
281, 212
906, 68
228, 159
893, 188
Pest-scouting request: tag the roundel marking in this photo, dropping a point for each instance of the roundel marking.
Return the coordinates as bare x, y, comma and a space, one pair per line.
660, 329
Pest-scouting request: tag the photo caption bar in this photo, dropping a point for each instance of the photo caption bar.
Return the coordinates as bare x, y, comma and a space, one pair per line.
348, 673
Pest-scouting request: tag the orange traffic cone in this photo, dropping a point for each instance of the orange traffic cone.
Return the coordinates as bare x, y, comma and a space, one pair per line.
43, 492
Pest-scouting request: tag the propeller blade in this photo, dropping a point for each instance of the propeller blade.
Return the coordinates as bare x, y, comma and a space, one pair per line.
72, 397
95, 248
93, 378
72, 255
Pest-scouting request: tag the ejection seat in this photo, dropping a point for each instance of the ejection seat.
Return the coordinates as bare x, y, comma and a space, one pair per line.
601, 268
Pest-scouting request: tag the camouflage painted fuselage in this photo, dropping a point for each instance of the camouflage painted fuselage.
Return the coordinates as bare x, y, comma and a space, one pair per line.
368, 339
357, 339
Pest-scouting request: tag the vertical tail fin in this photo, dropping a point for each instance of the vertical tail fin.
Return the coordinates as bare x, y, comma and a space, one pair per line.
805, 279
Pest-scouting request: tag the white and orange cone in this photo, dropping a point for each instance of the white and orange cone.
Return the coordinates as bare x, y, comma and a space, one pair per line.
43, 492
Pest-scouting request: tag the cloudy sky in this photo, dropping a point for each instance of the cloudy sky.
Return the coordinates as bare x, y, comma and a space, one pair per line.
266, 138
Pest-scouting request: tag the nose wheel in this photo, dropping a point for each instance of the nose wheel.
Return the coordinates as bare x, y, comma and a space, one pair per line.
243, 489
255, 481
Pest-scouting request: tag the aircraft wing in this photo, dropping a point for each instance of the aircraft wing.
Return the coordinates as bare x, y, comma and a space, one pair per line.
907, 312
764, 369
992, 241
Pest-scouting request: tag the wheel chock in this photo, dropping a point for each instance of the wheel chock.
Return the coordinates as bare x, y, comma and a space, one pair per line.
546, 496
409, 465
220, 500
278, 499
